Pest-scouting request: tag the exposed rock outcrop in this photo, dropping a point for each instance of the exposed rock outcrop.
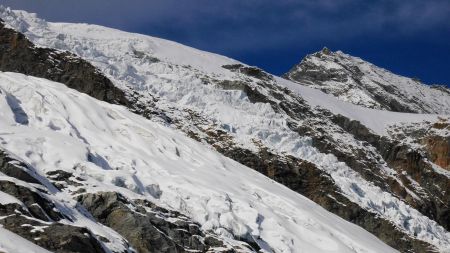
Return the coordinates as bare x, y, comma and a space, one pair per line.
146, 226
150, 228
35, 217
438, 149
356, 81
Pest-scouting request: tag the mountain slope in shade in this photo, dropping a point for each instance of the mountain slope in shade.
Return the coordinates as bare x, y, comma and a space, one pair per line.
339, 155
359, 82
107, 148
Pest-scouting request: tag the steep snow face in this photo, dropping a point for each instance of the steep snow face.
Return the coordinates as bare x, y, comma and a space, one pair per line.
142, 159
173, 73
143, 64
356, 81
90, 41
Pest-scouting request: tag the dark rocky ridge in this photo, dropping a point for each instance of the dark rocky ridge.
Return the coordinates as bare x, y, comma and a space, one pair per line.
147, 226
443, 88
403, 158
18, 54
37, 219
438, 150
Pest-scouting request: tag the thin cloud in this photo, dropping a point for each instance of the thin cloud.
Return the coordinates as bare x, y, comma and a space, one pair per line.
253, 24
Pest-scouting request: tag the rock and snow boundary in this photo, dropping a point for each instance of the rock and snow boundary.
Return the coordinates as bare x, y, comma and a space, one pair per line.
142, 159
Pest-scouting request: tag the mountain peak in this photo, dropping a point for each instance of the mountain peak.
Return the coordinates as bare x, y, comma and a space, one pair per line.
326, 51
354, 80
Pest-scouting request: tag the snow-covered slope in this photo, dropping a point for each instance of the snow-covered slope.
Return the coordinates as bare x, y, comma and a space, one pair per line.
377, 120
142, 159
171, 71
359, 82
204, 94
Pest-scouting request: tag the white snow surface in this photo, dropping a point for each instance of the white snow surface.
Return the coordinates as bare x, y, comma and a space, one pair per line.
8, 199
377, 120
64, 127
12, 243
176, 82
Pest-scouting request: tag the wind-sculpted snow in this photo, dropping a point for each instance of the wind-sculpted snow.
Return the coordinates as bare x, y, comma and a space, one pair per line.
147, 160
152, 161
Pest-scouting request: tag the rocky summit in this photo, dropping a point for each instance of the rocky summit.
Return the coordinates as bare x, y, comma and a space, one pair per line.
119, 142
356, 81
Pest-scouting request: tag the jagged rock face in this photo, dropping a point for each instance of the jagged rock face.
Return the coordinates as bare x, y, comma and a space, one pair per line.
420, 175
421, 150
35, 217
55, 237
150, 228
359, 82
438, 149
414, 170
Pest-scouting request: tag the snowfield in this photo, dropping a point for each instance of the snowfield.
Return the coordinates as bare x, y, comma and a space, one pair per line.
377, 120
143, 159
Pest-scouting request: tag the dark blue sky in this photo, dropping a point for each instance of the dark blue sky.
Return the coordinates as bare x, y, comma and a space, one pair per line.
408, 37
